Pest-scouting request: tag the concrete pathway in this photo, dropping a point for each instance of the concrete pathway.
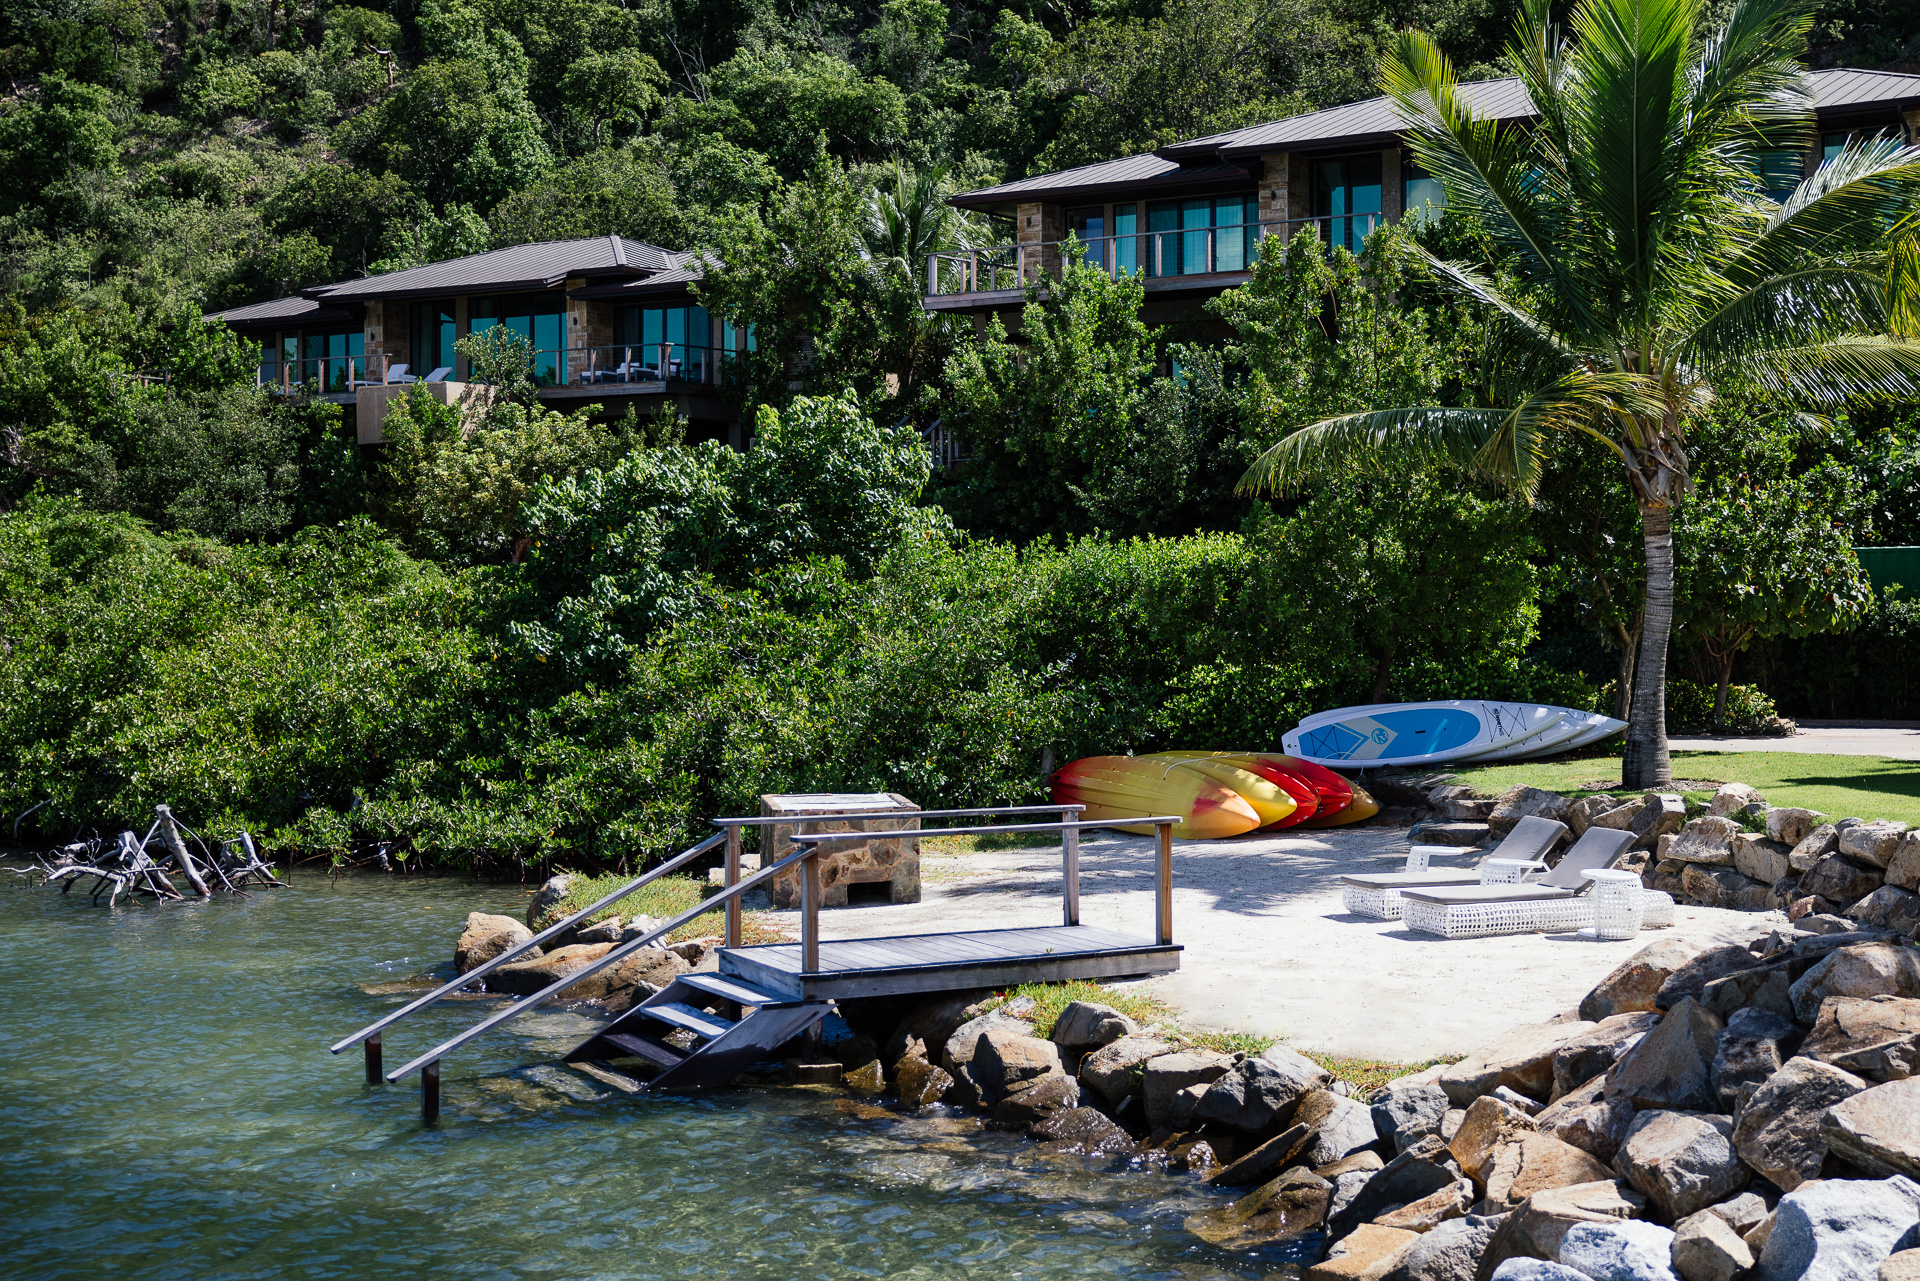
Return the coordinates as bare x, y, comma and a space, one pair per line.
1270, 949
1899, 743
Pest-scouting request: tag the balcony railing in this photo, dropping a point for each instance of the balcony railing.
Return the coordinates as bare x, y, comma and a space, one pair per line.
620, 365
1196, 251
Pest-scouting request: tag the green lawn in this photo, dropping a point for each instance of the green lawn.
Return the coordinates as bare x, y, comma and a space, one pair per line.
1842, 786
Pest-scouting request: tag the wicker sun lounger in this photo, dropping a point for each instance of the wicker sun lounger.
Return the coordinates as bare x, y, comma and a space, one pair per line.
1377, 895
1560, 900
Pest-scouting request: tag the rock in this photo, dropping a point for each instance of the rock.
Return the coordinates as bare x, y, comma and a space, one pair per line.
1723, 887
1430, 1211
1839, 1229
1036, 1098
1513, 1098
1766, 987
1840, 881
1732, 798
1185, 1101
1489, 1125
1088, 1131
1888, 907
1526, 802
540, 912
1521, 1060
1681, 1161
524, 978
1812, 907
486, 937
1346, 1190
1340, 1126
1877, 1130
1004, 1058
1814, 846
1872, 969
1167, 1074
1619, 818
1873, 843
1538, 1226
1903, 869
1589, 1120
1778, 1132
933, 1023
1904, 1266
1670, 1068
1743, 1213
1260, 1093
1290, 1206
1581, 813
1421, 1170
1536, 1270
1114, 1071
1660, 814
1085, 1024
1588, 1055
1634, 983
1629, 1250
1533, 1163
1762, 859
1751, 1049
606, 931
1876, 1037
958, 1054
1276, 1154
918, 1081
1790, 825
1404, 1116
1367, 1253
1450, 1251
1706, 1248
1704, 840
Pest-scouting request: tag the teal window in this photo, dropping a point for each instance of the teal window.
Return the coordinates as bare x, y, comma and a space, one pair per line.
1778, 171
270, 362
335, 361
671, 342
1202, 234
541, 319
430, 344
1346, 198
1126, 238
1090, 226
1422, 198
1831, 145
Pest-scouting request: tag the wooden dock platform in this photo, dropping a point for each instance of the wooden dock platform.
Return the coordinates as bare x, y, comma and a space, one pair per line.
949, 962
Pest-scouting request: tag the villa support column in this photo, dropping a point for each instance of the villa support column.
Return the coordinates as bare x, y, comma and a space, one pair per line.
1392, 194
1912, 120
1041, 228
1299, 188
462, 370
1275, 196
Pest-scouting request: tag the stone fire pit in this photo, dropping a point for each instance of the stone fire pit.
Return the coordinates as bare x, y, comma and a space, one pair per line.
892, 861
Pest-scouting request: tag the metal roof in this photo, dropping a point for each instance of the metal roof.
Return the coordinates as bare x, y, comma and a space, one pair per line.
1358, 124
685, 270
279, 309
536, 266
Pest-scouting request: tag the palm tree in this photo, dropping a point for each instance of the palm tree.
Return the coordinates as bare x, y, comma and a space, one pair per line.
1645, 266
908, 217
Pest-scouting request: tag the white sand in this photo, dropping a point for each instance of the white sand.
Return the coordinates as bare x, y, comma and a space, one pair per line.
1269, 949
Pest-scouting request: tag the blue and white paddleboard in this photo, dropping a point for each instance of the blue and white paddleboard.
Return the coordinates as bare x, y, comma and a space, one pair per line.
1577, 730
1417, 733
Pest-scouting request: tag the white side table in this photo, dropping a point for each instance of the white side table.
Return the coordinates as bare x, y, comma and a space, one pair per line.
1618, 909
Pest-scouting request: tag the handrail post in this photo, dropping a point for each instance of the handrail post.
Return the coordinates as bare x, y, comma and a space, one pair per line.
430, 1093
733, 879
809, 916
372, 1046
1163, 884
1070, 872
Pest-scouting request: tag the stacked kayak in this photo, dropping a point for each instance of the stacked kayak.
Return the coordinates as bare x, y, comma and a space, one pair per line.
1455, 731
1214, 794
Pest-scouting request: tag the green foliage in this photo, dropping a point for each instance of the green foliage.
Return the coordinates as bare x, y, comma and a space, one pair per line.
1695, 708
49, 141
628, 192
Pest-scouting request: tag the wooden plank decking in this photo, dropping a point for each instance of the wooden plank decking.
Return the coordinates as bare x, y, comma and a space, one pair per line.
950, 962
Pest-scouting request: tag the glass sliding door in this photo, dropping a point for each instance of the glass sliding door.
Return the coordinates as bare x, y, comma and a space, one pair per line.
1163, 247
1089, 226
431, 344
541, 319
1126, 238
671, 342
1346, 198
1202, 234
1422, 198
1236, 221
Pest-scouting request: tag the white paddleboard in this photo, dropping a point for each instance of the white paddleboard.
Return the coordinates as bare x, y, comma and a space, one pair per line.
1377, 735
1580, 729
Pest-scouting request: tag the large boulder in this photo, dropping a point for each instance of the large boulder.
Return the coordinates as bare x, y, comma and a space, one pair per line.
1872, 969
1790, 825
1877, 1130
1840, 880
1724, 888
1586, 1056
1681, 1161
1029, 1101
1767, 987
1762, 859
1734, 798
1290, 1206
648, 965
1420, 1171
1167, 1075
1707, 1248
1005, 1058
1430, 1211
1340, 1126
1535, 1270
1903, 869
1635, 982
932, 1023
1589, 1120
1086, 1024
958, 1053
1521, 1060
1629, 1250
1536, 1228
1532, 1163
1814, 846
542, 911
1526, 802
1367, 1253
486, 937
1778, 1133
1083, 1131
1839, 1229
1259, 1094
1489, 1125
1751, 1049
1902, 1266
1877, 1037
917, 1080
1873, 843
1114, 1071
1268, 1159
1707, 840
1403, 1115
1691, 979
1451, 1251
1670, 1068
1889, 908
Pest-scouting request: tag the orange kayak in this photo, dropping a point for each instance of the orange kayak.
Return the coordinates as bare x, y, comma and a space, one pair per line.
1273, 803
1119, 787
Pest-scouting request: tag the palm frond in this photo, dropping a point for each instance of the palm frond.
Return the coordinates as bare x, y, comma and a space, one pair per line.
1903, 286
1793, 309
1871, 183
1831, 373
1749, 83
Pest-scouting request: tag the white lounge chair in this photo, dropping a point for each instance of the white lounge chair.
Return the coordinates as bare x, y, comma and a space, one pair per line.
1377, 896
439, 375
1560, 900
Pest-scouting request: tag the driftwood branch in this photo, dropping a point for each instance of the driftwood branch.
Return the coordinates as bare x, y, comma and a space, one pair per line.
127, 864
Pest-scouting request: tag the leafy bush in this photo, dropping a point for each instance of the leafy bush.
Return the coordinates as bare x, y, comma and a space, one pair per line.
1749, 711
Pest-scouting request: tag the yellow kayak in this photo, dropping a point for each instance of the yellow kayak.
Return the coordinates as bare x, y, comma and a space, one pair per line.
1118, 787
1268, 799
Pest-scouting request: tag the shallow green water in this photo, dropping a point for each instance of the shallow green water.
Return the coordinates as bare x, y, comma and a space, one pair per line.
169, 1110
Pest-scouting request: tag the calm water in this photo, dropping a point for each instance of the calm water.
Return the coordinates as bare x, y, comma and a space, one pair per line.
169, 1110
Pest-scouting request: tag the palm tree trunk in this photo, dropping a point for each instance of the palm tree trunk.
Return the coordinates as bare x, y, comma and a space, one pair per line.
1646, 763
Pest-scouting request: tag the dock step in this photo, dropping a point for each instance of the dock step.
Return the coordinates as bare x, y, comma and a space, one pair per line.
654, 1051
731, 989
699, 1022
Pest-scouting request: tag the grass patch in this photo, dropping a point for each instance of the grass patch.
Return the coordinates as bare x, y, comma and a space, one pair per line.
1147, 1009
1840, 786
668, 896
